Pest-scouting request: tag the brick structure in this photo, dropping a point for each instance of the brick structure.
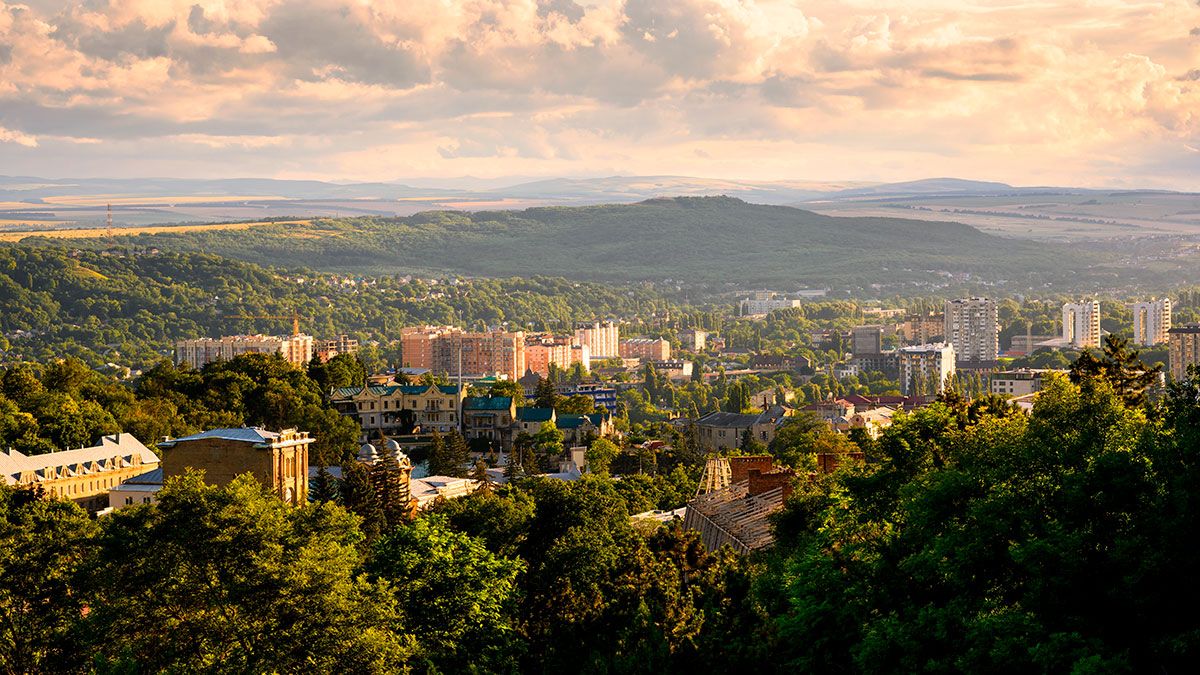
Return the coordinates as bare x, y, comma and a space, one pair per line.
279, 460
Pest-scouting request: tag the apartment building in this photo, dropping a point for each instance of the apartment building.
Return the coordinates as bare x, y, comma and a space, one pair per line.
1151, 322
866, 340
327, 349
923, 329
645, 349
1020, 382
1183, 349
693, 340
543, 349
1081, 324
442, 349
603, 339
295, 349
931, 364
972, 327
765, 302
397, 410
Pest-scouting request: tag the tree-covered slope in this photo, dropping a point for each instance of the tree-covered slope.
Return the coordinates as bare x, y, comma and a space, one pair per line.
693, 239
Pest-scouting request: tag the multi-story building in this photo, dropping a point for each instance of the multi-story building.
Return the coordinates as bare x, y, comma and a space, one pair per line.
279, 460
645, 349
972, 327
602, 395
1021, 382
925, 367
489, 418
1151, 322
603, 339
442, 349
920, 329
542, 350
327, 349
397, 410
693, 340
765, 302
1183, 349
83, 475
295, 349
1027, 343
887, 362
718, 431
1081, 324
866, 340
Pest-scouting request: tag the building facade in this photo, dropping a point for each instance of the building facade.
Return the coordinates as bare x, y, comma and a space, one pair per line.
542, 350
443, 349
1021, 382
866, 340
602, 338
1151, 322
83, 475
396, 410
765, 302
925, 367
920, 329
1081, 324
645, 349
972, 327
295, 349
1183, 349
279, 460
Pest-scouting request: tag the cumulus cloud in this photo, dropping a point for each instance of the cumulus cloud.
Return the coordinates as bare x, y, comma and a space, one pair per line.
753, 87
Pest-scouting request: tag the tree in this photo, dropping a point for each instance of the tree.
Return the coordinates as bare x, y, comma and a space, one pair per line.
231, 578
546, 394
449, 455
324, 486
44, 546
510, 388
1120, 367
600, 455
358, 496
457, 597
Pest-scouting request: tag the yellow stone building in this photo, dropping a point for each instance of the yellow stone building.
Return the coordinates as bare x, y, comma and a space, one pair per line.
83, 475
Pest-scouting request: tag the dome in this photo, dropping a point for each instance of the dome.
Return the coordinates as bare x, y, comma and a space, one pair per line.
392, 445
367, 453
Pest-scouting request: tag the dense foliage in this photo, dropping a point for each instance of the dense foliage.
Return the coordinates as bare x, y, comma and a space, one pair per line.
694, 239
127, 306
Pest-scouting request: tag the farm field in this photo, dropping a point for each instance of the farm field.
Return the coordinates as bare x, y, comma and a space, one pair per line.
96, 233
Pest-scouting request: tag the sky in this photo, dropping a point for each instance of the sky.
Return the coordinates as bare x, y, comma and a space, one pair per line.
1102, 93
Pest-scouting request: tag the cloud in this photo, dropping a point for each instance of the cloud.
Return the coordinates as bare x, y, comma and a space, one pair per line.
9, 136
565, 86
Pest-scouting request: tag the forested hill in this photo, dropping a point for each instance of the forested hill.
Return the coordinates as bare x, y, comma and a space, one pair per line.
693, 239
127, 306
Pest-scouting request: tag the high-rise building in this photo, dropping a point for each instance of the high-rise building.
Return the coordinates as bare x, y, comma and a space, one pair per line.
295, 349
603, 339
925, 367
920, 329
1183, 349
1151, 322
1081, 324
443, 348
542, 350
866, 340
970, 324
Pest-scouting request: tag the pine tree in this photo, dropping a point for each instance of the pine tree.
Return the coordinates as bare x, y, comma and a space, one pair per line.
324, 487
480, 473
391, 490
358, 496
458, 455
442, 461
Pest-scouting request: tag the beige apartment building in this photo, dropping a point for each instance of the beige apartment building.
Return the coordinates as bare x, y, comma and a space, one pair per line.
1183, 349
1081, 324
1151, 322
646, 349
972, 326
295, 349
932, 363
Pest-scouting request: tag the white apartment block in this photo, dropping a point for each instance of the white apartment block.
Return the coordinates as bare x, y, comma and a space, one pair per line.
971, 325
765, 302
1151, 322
603, 339
932, 363
295, 349
1081, 324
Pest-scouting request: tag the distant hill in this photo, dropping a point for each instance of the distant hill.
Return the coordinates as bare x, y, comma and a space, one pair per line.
711, 240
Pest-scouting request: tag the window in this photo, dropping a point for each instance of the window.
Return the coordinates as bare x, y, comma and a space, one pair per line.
128, 501
145, 500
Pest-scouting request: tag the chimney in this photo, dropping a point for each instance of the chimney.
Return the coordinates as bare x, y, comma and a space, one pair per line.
761, 482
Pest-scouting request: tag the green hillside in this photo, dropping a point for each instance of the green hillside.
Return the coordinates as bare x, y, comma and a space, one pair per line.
693, 239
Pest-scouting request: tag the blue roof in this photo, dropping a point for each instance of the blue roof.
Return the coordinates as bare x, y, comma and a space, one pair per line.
244, 434
531, 414
388, 390
570, 421
487, 403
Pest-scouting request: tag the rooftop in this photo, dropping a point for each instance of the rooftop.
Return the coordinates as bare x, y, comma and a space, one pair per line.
123, 448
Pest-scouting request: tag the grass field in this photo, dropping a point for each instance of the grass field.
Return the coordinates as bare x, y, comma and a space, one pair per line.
97, 233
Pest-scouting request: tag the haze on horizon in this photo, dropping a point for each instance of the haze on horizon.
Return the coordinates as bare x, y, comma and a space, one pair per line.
1102, 93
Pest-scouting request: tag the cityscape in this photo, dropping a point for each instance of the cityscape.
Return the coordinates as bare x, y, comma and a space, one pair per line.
599, 336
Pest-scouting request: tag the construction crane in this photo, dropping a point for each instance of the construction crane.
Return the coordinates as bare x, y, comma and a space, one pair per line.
294, 317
